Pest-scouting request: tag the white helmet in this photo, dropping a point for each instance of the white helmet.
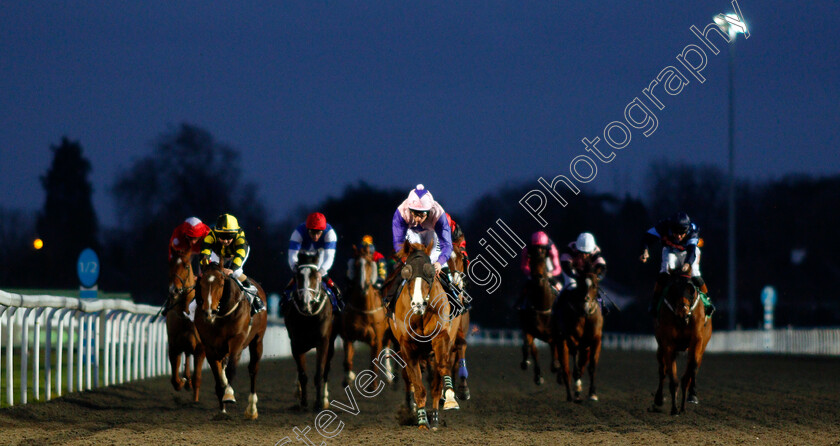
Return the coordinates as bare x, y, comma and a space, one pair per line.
585, 243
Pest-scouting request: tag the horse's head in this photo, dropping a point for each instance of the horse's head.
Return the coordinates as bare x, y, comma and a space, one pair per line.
213, 289
584, 298
310, 295
363, 269
419, 274
181, 278
682, 297
536, 259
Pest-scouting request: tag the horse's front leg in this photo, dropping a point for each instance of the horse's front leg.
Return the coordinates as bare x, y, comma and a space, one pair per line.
415, 382
255, 349
564, 375
659, 398
595, 356
538, 379
349, 351
175, 363
221, 381
526, 349
321, 391
673, 382
300, 392
198, 364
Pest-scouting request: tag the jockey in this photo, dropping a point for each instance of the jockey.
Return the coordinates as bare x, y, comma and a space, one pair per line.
581, 256
313, 237
420, 219
185, 238
226, 245
378, 259
540, 240
679, 237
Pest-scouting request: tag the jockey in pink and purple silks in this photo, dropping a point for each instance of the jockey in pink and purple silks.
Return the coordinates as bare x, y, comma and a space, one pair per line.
420, 219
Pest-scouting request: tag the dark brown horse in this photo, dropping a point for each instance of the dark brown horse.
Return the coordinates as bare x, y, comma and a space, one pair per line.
535, 318
181, 333
225, 325
457, 264
364, 318
309, 320
423, 323
578, 324
681, 325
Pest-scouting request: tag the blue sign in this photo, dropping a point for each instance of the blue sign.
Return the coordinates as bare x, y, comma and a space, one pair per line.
768, 296
87, 268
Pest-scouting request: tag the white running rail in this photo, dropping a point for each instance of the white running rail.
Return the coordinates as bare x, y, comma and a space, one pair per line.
87, 343
796, 341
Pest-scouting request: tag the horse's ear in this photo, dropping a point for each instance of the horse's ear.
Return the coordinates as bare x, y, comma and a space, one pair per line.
355, 250
406, 248
430, 247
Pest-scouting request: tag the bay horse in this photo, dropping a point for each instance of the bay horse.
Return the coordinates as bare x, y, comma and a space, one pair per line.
180, 330
681, 325
457, 264
309, 320
364, 317
578, 325
423, 322
535, 319
225, 324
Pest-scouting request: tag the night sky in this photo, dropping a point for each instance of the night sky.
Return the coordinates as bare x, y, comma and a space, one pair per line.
461, 96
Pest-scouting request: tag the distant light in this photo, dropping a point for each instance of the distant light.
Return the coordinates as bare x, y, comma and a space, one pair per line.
727, 27
37, 243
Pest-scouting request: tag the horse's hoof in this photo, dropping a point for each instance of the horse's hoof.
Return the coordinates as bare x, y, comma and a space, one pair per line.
675, 412
538, 380
463, 393
251, 416
523, 365
222, 416
578, 386
655, 409
450, 403
693, 399
434, 420
593, 397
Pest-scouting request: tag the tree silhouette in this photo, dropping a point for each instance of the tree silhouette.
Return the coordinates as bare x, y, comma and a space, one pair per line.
67, 224
188, 174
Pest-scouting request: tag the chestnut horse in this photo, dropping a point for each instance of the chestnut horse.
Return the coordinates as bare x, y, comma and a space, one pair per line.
681, 325
224, 323
364, 317
309, 321
424, 322
578, 339
535, 318
183, 338
458, 267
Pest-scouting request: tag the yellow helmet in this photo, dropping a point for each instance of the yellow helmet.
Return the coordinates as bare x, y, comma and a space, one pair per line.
367, 240
227, 223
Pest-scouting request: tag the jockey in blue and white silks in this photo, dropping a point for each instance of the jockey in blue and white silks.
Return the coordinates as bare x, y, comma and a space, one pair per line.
317, 238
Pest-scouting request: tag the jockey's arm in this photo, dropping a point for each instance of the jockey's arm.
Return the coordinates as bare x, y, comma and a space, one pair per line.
240, 251
328, 257
207, 248
398, 229
294, 247
555, 260
525, 265
444, 234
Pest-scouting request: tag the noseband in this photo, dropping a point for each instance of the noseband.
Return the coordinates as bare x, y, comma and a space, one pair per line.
320, 297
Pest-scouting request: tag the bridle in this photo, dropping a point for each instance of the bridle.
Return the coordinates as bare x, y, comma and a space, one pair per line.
320, 295
694, 302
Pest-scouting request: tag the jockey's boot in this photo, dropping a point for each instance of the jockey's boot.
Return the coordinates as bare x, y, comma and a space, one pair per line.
250, 290
701, 284
339, 302
661, 281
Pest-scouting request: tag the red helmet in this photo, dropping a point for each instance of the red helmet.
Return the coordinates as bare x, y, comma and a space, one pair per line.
316, 221
195, 228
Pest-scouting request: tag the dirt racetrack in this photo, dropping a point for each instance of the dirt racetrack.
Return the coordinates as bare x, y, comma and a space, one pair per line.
745, 399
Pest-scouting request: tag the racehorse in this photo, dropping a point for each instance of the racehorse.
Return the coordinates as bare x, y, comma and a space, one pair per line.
309, 321
535, 319
183, 338
224, 323
457, 264
681, 325
364, 317
424, 322
579, 337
